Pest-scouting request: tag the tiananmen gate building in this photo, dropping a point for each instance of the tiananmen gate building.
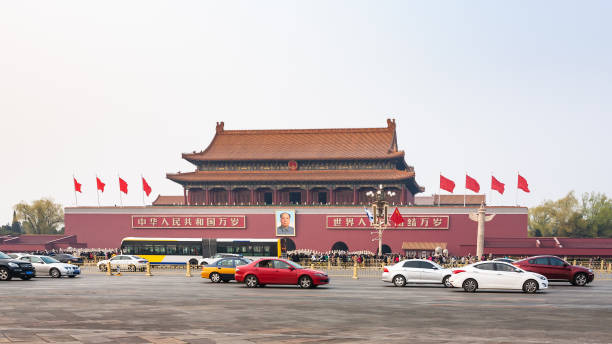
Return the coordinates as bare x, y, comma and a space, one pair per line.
319, 177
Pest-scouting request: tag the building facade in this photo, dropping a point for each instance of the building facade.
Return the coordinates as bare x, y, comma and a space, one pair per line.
246, 181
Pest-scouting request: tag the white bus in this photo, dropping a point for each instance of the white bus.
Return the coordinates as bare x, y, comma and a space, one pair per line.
197, 251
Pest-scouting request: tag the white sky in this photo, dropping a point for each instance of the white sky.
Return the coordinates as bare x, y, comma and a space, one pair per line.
126, 86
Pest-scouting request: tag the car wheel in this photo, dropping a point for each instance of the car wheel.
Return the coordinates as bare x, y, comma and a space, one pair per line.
251, 281
215, 277
305, 282
399, 281
26, 278
580, 279
102, 267
193, 262
55, 273
530, 286
5, 275
470, 285
446, 282
132, 268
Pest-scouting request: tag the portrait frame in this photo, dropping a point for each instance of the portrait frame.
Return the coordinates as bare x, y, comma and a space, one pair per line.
278, 226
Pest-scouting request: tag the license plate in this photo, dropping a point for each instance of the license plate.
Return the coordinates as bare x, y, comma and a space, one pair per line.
29, 272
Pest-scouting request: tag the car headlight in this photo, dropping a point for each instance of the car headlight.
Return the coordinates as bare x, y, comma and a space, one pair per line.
542, 278
320, 275
590, 270
13, 265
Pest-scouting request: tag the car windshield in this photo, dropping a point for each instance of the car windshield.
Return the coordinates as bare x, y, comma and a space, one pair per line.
136, 257
296, 265
49, 260
4, 256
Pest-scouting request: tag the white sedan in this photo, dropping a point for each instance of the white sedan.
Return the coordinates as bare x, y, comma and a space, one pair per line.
497, 275
416, 271
49, 266
124, 262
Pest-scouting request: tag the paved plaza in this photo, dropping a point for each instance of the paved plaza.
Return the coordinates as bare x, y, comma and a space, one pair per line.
171, 308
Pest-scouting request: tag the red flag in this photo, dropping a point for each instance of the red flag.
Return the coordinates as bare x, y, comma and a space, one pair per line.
497, 185
397, 217
100, 184
122, 185
522, 184
447, 184
471, 184
146, 187
77, 185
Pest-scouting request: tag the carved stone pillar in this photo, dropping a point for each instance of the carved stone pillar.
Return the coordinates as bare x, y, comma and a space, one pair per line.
252, 195
307, 195
403, 195
229, 195
185, 194
354, 194
207, 196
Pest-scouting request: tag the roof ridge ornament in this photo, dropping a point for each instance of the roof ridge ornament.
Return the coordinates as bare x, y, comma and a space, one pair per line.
220, 126
391, 123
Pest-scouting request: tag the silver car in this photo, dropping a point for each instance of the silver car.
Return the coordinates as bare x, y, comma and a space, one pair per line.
124, 262
416, 271
47, 266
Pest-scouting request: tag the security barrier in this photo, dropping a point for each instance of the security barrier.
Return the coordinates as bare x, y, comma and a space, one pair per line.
370, 268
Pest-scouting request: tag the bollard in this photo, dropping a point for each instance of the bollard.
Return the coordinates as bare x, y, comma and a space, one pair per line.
574, 262
188, 274
108, 269
338, 261
609, 267
148, 270
311, 266
355, 270
328, 264
602, 265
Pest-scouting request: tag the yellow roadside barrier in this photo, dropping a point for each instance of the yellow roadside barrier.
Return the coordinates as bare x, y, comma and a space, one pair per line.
149, 269
188, 274
108, 269
355, 270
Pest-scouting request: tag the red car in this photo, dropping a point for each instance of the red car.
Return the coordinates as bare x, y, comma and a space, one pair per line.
279, 271
556, 269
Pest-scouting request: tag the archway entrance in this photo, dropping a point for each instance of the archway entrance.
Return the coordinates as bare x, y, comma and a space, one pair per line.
339, 246
287, 244
386, 249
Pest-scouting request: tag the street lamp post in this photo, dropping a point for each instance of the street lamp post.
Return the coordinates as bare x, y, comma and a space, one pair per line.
380, 212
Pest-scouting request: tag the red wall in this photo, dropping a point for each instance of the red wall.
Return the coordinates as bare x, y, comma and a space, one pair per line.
103, 229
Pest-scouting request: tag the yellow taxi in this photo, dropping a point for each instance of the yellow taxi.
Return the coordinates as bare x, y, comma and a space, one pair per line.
223, 269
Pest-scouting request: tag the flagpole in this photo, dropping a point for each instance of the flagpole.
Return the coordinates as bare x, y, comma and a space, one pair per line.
439, 190
97, 190
75, 197
142, 181
120, 198
490, 189
516, 191
464, 189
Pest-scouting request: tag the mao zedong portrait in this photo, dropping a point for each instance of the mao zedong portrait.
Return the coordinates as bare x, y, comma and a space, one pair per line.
285, 227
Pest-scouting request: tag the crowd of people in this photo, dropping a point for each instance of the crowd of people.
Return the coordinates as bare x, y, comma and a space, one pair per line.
85, 253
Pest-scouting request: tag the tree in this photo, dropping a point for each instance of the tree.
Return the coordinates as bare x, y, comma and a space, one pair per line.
589, 218
43, 216
597, 211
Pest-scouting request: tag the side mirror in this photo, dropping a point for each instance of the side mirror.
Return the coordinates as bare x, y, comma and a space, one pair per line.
291, 268
517, 270
565, 265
